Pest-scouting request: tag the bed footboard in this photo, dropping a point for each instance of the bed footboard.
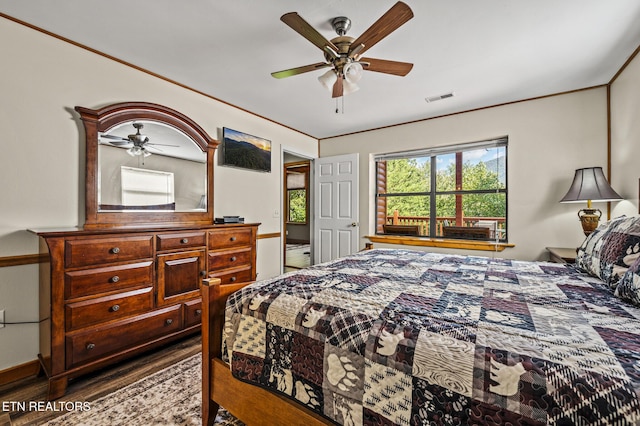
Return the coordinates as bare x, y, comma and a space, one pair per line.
251, 404
214, 298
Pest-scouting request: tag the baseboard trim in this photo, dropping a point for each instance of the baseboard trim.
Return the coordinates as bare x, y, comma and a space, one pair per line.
18, 372
294, 241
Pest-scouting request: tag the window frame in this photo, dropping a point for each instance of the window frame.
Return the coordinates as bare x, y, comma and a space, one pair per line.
432, 193
303, 169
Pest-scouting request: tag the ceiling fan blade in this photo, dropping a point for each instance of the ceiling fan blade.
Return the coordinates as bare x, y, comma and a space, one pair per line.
114, 140
114, 137
389, 22
300, 70
303, 28
160, 144
119, 144
338, 88
387, 67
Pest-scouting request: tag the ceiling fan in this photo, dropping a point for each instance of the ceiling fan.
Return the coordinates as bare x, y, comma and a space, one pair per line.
138, 143
343, 54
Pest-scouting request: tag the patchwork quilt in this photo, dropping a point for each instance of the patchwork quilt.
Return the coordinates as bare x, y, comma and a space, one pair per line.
406, 337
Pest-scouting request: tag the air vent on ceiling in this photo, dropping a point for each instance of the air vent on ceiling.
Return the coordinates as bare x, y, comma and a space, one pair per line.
439, 97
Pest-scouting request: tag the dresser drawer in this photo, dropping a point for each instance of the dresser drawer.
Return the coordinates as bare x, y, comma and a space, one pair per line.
115, 337
230, 276
229, 258
86, 252
181, 240
192, 313
108, 308
232, 237
88, 282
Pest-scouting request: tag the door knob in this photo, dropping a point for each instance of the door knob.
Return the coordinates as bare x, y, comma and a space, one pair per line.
354, 224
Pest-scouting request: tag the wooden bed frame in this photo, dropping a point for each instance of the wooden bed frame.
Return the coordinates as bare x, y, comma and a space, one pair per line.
251, 404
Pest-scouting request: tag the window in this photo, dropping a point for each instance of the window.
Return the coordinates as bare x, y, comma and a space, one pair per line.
450, 192
145, 187
297, 204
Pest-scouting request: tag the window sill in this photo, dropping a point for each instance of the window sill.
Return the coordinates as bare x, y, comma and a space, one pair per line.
446, 243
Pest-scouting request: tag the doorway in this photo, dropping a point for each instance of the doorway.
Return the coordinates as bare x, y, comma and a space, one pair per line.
296, 210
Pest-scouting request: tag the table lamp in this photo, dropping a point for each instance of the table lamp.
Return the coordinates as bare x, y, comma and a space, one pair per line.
589, 184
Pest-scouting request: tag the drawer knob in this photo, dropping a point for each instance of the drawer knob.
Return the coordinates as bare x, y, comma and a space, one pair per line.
233, 279
198, 312
203, 273
184, 240
169, 321
232, 239
233, 258
90, 346
115, 279
115, 308
115, 250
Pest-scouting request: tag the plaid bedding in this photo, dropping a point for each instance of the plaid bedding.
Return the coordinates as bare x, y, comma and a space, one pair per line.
406, 337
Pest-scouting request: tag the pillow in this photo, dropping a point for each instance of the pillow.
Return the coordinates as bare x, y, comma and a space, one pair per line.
608, 254
588, 254
629, 285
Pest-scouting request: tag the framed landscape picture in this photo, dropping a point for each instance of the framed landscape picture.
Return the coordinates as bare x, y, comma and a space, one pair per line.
245, 151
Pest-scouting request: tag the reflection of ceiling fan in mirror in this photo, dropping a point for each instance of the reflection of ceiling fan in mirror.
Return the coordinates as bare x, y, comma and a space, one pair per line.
343, 54
137, 143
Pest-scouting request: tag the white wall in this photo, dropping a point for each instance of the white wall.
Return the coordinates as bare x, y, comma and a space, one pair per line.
548, 139
625, 138
42, 158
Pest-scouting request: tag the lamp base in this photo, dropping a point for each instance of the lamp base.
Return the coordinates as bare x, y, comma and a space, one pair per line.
589, 220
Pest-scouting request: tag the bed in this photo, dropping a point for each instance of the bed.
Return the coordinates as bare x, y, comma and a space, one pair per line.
407, 337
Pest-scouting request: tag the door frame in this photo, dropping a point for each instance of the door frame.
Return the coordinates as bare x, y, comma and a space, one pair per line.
283, 202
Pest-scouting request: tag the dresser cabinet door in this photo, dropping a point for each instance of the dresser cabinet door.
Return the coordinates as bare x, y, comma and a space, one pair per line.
179, 275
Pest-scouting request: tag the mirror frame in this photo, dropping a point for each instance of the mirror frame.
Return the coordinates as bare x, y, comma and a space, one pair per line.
101, 120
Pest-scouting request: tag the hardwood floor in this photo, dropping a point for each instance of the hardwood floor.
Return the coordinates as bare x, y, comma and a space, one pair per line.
93, 385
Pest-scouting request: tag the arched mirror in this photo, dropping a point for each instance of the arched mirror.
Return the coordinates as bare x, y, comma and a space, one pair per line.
147, 165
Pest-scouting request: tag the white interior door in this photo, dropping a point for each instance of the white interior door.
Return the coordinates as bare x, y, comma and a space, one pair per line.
336, 229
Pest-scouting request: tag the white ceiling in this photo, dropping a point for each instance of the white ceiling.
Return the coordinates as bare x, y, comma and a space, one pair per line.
487, 52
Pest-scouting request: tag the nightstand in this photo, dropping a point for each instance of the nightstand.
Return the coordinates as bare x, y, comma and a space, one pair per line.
562, 254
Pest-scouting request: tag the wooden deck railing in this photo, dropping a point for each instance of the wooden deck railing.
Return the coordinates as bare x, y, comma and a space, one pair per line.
423, 222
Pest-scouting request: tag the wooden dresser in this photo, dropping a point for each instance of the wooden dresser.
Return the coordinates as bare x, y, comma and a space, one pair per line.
107, 294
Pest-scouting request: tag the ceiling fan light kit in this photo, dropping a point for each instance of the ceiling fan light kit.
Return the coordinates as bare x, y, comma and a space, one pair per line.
343, 54
135, 151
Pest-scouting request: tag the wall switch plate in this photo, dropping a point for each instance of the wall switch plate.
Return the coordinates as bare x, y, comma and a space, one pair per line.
1, 318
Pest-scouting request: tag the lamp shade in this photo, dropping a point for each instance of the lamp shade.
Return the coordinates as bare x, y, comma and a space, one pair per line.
328, 79
589, 184
348, 87
353, 72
